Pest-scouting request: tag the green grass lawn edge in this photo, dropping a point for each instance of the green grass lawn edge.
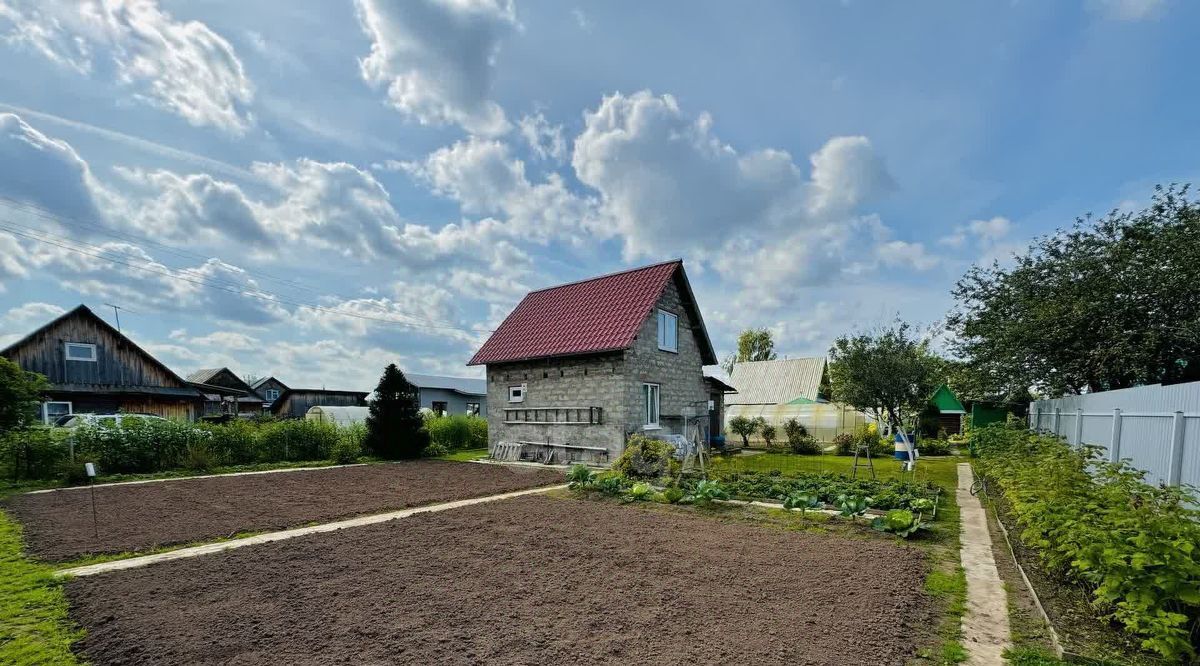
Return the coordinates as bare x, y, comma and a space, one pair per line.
34, 626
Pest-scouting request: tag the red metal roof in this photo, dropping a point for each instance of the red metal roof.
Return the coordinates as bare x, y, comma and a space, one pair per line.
600, 314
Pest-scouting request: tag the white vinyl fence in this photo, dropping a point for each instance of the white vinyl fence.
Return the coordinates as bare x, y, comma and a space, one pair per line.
1156, 428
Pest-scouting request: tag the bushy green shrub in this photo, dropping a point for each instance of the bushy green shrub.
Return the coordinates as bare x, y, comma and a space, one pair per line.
1136, 546
434, 450
457, 432
135, 445
612, 483
799, 439
768, 432
843, 444
200, 456
31, 453
934, 447
235, 441
646, 458
296, 439
348, 447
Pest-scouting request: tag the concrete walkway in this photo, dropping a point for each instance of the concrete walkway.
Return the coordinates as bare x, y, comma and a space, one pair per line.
985, 624
206, 549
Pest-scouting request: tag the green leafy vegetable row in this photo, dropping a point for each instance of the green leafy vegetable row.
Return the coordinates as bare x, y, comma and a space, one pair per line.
1134, 545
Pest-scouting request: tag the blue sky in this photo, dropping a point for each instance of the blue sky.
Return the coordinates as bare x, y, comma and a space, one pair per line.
313, 190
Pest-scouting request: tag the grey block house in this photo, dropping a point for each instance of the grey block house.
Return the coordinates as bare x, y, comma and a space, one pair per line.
450, 395
575, 369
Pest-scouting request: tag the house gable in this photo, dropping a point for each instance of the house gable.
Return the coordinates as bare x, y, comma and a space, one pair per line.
118, 362
591, 316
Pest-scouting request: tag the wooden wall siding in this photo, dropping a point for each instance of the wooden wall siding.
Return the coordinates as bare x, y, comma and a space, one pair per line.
118, 362
97, 403
296, 404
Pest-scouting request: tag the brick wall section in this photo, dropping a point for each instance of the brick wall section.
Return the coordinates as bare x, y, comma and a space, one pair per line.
612, 381
680, 376
589, 381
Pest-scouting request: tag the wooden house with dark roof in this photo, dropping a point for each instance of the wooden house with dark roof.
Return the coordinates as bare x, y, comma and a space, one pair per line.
575, 369
95, 369
226, 394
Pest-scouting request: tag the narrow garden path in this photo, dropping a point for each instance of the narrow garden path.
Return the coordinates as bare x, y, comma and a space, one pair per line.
205, 549
985, 624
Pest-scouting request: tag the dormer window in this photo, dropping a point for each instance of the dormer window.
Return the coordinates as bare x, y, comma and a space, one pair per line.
81, 351
668, 331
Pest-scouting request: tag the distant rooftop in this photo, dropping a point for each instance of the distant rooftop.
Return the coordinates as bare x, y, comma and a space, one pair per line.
467, 385
777, 382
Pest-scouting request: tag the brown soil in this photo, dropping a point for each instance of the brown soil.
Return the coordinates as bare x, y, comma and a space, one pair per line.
58, 525
532, 580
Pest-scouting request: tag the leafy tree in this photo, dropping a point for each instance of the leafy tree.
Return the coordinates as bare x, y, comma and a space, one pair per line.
1106, 304
889, 372
754, 344
744, 427
767, 432
20, 393
394, 424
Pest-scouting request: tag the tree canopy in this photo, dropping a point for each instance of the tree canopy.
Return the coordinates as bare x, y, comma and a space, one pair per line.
889, 371
20, 393
754, 344
394, 423
1107, 304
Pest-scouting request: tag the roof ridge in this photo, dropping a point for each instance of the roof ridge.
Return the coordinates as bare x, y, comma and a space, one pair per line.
607, 275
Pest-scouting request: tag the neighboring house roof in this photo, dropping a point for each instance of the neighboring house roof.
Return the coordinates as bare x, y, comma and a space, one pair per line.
205, 379
259, 382
203, 375
946, 402
463, 385
718, 384
777, 382
595, 315
85, 311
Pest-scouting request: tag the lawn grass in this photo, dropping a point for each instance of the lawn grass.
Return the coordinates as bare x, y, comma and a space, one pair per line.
34, 627
464, 455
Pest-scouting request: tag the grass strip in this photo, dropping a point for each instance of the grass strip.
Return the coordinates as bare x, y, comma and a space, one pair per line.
34, 626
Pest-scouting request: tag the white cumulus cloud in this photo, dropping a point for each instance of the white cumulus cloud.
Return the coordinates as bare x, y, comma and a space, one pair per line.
435, 58
181, 66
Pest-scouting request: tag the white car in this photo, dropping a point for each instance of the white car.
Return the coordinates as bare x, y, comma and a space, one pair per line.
76, 420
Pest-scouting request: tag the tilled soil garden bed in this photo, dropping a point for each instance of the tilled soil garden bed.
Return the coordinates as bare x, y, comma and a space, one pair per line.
58, 525
543, 580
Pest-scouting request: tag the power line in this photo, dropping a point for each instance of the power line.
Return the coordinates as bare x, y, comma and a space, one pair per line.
59, 242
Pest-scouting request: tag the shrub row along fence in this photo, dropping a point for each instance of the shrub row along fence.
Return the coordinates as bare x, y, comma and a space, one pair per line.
1134, 545
137, 446
1156, 428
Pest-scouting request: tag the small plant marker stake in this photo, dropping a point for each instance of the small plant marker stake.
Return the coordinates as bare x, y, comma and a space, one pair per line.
91, 474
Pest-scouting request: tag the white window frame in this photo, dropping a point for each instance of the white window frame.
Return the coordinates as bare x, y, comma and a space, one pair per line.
668, 322
652, 417
46, 411
476, 405
517, 393
86, 345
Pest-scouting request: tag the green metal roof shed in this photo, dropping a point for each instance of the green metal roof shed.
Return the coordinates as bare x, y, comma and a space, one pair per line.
946, 402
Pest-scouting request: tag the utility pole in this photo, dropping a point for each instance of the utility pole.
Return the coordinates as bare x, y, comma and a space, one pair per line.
116, 314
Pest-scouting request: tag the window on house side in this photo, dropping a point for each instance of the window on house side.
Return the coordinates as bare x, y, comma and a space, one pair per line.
271, 395
81, 351
668, 331
516, 394
53, 411
650, 400
473, 409
439, 408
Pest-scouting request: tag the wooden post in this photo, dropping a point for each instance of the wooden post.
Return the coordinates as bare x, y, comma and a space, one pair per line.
1078, 427
1114, 448
1176, 470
